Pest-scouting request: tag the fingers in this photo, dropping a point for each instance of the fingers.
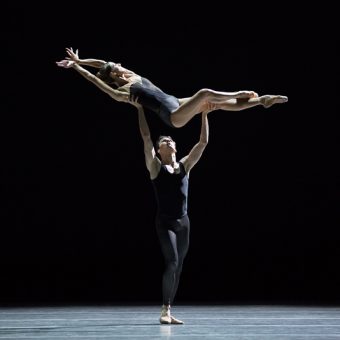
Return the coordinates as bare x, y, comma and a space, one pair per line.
70, 51
134, 99
65, 63
208, 107
71, 54
61, 63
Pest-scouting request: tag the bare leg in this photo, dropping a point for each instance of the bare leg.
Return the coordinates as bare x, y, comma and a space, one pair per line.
246, 103
189, 107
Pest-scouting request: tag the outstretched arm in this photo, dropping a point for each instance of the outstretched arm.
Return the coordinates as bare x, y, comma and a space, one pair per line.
115, 94
196, 152
151, 160
97, 63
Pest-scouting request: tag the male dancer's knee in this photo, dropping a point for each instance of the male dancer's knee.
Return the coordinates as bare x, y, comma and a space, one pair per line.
172, 266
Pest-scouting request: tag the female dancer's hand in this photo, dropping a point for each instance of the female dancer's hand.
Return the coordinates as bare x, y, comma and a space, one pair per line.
72, 55
65, 63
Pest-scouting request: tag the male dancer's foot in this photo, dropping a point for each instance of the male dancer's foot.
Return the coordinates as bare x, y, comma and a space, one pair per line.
167, 318
269, 100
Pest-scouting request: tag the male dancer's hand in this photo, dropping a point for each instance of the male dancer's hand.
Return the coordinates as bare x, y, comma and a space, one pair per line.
134, 102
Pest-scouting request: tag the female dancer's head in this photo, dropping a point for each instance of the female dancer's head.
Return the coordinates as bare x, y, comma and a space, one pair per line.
108, 72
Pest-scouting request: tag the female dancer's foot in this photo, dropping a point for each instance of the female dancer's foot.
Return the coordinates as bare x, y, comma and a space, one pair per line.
269, 100
167, 318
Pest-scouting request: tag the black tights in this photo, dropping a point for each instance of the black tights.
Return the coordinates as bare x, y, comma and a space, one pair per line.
173, 235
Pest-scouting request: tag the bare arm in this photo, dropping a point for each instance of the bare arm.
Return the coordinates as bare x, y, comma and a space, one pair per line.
97, 63
196, 152
151, 160
115, 94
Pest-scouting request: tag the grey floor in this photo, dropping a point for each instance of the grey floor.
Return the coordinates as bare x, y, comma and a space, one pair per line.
141, 322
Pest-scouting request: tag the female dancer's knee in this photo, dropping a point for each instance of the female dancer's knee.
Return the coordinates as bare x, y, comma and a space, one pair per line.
205, 93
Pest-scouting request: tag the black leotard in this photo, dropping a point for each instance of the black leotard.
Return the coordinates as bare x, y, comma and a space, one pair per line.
154, 99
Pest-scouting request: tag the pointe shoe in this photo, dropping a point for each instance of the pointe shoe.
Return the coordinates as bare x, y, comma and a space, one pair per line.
175, 321
269, 100
165, 317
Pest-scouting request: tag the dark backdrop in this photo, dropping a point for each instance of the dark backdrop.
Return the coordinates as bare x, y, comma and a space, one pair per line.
77, 212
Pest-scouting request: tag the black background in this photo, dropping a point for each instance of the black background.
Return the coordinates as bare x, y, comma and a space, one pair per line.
77, 212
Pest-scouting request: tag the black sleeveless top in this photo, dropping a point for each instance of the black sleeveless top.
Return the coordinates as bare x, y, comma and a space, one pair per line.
153, 98
171, 192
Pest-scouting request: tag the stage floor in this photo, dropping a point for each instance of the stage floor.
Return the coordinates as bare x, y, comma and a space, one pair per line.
141, 322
